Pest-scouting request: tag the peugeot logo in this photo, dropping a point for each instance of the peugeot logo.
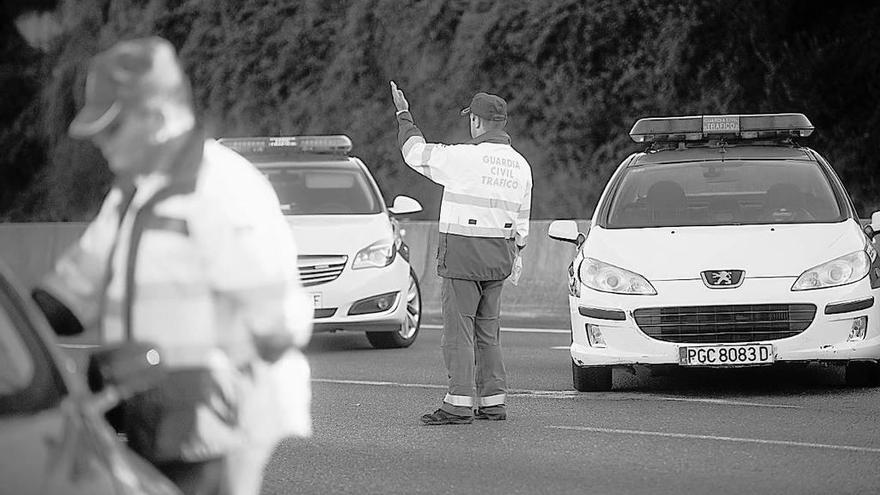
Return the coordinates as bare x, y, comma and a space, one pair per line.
722, 279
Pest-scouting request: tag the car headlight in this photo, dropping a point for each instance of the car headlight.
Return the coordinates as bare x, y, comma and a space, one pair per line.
609, 278
840, 271
376, 255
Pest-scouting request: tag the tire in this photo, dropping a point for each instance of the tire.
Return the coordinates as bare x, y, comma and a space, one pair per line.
591, 379
862, 374
409, 328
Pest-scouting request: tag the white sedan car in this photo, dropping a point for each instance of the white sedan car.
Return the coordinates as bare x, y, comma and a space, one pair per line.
723, 244
352, 257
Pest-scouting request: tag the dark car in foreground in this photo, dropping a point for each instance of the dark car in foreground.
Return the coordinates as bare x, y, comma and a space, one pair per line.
53, 435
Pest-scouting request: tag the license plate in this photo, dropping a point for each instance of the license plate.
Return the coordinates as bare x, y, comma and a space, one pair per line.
725, 355
316, 300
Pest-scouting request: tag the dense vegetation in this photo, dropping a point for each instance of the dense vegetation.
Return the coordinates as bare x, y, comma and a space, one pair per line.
576, 75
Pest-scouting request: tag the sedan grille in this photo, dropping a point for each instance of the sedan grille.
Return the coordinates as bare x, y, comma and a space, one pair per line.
314, 270
726, 323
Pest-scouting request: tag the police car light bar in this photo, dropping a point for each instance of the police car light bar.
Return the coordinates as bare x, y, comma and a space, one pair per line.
703, 127
337, 144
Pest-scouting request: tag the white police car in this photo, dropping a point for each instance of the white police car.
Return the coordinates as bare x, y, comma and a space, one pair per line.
723, 244
352, 258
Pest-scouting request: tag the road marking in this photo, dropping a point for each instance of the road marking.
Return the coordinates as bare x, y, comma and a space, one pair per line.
426, 326
545, 394
727, 402
510, 329
375, 383
562, 394
553, 394
561, 347
787, 443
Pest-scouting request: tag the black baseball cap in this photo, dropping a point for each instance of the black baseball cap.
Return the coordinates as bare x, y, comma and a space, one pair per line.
487, 106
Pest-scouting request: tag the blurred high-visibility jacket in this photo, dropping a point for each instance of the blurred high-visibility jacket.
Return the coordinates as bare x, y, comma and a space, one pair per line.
487, 195
201, 262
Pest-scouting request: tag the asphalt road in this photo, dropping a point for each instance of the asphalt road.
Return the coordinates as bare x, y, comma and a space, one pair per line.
695, 431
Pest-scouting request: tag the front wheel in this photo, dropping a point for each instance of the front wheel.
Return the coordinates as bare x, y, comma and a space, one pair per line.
591, 379
406, 334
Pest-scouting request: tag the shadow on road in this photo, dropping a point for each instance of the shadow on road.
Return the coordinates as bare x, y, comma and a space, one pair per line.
788, 379
330, 342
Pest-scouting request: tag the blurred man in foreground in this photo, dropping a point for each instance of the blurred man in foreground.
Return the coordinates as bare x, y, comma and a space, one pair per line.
189, 251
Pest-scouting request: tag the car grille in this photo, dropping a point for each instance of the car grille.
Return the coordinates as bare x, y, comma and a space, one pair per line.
314, 270
727, 323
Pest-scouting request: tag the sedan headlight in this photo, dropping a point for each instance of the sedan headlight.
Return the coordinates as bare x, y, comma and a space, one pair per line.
841, 271
609, 278
376, 255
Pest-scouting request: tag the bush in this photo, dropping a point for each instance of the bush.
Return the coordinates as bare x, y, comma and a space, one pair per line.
576, 76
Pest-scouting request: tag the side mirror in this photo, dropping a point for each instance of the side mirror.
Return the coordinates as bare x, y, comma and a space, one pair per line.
130, 367
403, 205
873, 228
566, 231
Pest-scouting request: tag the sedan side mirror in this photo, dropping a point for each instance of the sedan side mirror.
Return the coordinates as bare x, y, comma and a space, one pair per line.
873, 228
403, 205
566, 231
130, 367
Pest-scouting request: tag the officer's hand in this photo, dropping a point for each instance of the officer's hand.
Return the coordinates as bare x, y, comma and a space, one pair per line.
399, 100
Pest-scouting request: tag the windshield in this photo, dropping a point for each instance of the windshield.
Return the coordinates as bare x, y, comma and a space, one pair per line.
323, 191
723, 193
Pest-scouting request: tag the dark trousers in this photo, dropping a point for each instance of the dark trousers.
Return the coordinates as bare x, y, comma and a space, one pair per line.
471, 344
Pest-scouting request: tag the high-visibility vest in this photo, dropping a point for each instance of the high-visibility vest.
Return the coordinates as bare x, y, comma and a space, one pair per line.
486, 201
198, 263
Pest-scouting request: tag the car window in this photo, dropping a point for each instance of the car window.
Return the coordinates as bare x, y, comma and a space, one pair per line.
723, 193
323, 191
16, 364
29, 378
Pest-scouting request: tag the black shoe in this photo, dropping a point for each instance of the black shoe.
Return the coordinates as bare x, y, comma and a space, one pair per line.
441, 417
496, 414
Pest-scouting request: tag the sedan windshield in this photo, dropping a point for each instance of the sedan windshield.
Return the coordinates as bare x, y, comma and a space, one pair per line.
323, 191
723, 193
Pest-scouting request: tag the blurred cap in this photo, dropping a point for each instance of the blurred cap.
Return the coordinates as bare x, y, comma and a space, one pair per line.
129, 75
486, 106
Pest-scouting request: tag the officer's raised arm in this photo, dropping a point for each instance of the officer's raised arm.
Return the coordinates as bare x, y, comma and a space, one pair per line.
428, 159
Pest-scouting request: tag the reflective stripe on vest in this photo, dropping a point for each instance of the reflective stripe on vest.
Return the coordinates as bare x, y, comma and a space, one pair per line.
493, 203
476, 231
411, 143
421, 166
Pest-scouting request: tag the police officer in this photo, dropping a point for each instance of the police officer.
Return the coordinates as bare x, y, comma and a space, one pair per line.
484, 224
189, 251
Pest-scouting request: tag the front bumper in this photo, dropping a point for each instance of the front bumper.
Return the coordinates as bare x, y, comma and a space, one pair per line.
825, 339
338, 296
